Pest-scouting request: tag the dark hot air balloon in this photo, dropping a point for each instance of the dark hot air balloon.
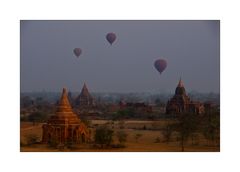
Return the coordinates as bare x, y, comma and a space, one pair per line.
160, 65
77, 51
111, 37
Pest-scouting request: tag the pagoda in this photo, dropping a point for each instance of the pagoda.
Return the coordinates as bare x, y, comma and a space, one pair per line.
84, 99
65, 126
181, 103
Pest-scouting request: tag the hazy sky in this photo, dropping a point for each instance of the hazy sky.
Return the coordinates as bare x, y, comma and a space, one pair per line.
191, 49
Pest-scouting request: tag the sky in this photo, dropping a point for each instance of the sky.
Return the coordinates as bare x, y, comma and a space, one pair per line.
191, 49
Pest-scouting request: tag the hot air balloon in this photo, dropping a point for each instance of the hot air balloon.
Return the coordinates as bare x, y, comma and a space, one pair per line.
77, 51
160, 65
111, 37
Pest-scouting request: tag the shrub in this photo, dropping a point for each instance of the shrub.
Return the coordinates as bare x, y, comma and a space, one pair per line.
32, 139
37, 117
103, 136
122, 137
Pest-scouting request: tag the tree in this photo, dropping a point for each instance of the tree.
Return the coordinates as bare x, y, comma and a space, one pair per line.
167, 132
122, 137
103, 136
37, 117
211, 127
125, 113
186, 125
159, 102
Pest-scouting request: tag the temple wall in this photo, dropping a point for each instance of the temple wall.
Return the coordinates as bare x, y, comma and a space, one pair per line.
61, 134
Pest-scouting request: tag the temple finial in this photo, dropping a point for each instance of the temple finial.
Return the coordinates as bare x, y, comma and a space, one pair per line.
64, 92
180, 83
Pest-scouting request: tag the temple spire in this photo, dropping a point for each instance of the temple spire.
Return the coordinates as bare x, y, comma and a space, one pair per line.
64, 92
64, 102
180, 83
84, 91
85, 97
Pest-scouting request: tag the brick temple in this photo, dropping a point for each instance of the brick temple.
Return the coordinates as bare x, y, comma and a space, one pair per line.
84, 99
181, 103
65, 126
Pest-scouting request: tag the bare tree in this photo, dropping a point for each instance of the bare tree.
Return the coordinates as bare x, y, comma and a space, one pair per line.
167, 132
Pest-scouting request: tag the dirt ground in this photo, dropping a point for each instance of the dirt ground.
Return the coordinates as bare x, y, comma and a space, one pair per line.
151, 139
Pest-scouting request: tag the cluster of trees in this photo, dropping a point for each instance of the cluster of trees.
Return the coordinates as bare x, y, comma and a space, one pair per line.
36, 117
160, 103
189, 126
132, 113
125, 114
36, 104
211, 128
104, 137
26, 102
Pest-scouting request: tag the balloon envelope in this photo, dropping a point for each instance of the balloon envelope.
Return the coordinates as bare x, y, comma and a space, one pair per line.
111, 37
77, 51
160, 65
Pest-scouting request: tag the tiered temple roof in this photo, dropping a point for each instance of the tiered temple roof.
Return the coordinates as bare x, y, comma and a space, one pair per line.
64, 113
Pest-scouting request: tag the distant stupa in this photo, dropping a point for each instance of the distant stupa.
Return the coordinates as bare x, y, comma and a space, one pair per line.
65, 126
85, 98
